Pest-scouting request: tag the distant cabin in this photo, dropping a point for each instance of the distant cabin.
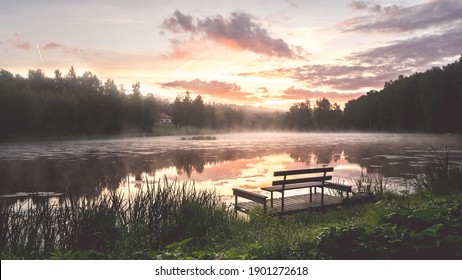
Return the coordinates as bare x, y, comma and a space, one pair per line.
164, 118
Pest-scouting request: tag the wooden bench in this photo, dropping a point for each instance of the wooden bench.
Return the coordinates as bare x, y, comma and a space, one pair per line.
288, 180
260, 199
303, 179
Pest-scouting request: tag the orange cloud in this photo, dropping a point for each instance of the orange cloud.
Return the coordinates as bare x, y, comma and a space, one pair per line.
230, 91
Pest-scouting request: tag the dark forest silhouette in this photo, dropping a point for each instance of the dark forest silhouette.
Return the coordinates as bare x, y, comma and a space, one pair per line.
429, 101
71, 105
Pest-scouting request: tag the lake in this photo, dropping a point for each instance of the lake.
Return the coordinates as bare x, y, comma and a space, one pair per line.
246, 160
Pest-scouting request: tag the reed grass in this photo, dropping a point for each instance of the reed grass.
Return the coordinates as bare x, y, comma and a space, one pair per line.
440, 176
372, 183
117, 226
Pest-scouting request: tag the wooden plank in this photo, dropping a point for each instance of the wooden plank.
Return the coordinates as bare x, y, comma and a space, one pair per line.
302, 171
338, 187
292, 186
250, 195
297, 203
302, 180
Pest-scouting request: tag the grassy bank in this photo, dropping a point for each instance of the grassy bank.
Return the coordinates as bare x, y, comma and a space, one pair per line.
157, 130
172, 220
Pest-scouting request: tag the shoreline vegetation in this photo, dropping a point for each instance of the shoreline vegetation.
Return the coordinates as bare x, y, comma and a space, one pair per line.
173, 220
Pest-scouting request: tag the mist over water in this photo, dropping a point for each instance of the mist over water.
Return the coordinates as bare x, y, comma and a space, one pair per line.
246, 160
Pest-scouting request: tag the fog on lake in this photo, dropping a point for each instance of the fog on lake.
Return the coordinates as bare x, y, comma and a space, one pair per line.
245, 160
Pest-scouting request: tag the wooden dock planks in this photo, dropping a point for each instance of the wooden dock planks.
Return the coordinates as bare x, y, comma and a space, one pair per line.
294, 204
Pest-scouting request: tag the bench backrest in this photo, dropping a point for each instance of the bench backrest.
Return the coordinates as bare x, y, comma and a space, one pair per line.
305, 179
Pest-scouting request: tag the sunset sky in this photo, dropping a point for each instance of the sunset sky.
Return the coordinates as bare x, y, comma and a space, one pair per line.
254, 52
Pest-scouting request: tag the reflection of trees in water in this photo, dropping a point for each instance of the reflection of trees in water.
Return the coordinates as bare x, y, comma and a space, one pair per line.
188, 161
90, 176
312, 156
80, 176
367, 156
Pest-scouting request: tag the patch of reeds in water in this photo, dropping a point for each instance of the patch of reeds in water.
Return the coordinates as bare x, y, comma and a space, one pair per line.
372, 183
146, 220
440, 176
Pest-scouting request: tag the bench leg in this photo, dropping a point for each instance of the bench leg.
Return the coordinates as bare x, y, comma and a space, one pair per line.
271, 199
282, 202
311, 194
322, 196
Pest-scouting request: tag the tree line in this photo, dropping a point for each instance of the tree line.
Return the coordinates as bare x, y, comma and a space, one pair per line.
323, 116
423, 102
187, 111
72, 105
429, 101
69, 105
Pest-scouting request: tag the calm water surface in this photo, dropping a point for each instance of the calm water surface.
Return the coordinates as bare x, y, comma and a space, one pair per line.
246, 160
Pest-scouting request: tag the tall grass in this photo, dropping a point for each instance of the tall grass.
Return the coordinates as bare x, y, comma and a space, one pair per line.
371, 183
114, 225
440, 176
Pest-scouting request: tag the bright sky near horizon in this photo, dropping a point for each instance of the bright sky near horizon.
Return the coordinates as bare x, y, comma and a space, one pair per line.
255, 52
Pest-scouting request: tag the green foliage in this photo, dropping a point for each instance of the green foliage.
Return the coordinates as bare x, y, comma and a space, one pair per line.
429, 101
440, 177
429, 230
175, 221
324, 116
71, 106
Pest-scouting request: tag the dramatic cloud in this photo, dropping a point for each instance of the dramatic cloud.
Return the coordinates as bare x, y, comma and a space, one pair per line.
293, 93
338, 77
238, 32
179, 23
415, 52
403, 19
213, 88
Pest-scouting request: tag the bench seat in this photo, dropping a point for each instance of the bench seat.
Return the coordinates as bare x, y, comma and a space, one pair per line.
279, 188
255, 197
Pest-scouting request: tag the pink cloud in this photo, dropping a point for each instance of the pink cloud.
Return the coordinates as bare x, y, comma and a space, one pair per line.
238, 32
262, 90
213, 88
59, 47
415, 52
339, 77
18, 43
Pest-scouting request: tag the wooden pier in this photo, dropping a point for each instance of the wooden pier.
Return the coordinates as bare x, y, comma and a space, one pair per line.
294, 204
295, 180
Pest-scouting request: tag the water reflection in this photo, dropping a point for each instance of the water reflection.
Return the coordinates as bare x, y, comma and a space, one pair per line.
234, 160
